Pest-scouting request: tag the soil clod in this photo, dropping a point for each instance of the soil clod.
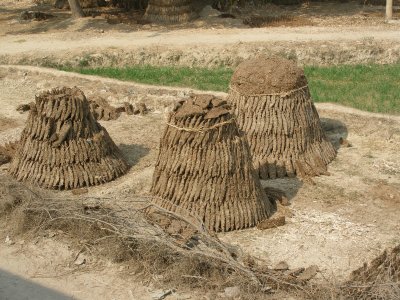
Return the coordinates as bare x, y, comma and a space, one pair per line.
272, 222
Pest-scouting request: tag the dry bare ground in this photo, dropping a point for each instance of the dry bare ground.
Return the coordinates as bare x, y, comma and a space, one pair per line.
328, 33
337, 224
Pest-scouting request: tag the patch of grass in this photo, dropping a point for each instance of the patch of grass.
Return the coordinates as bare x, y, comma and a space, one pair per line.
372, 88
198, 78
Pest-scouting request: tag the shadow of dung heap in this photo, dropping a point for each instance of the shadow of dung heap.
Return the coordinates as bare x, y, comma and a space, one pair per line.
63, 146
273, 105
204, 167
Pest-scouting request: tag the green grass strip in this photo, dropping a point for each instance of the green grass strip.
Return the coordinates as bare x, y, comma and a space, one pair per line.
374, 88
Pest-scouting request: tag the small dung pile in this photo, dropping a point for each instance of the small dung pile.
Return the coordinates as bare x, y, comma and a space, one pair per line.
170, 11
204, 168
63, 146
380, 279
273, 106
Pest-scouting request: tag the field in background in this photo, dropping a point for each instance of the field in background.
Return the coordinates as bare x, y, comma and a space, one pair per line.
373, 88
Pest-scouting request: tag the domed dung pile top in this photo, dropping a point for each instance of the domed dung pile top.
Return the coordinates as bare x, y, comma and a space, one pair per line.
63, 146
204, 168
273, 106
263, 75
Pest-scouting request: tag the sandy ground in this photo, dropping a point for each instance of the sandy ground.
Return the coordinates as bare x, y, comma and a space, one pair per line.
340, 222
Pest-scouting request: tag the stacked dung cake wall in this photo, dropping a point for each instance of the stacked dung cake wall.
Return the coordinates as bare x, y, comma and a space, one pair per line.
204, 168
63, 146
170, 11
273, 106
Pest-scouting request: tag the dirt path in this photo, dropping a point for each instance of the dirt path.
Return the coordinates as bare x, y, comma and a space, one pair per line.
45, 270
47, 43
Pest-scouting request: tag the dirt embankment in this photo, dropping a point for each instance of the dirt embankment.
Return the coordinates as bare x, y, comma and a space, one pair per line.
319, 52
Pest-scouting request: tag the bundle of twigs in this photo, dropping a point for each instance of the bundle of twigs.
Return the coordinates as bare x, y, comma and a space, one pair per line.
202, 260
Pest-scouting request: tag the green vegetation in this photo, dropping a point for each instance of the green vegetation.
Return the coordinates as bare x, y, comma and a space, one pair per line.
374, 88
198, 78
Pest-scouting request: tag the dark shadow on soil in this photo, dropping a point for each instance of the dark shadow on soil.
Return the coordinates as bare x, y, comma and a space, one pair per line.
13, 287
289, 186
334, 130
133, 153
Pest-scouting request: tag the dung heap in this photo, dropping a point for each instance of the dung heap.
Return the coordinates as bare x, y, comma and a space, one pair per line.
62, 145
273, 106
204, 168
170, 11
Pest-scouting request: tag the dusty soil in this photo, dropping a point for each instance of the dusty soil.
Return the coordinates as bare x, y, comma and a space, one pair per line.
340, 33
337, 224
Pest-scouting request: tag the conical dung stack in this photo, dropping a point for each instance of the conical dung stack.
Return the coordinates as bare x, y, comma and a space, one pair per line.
204, 167
62, 145
273, 106
170, 11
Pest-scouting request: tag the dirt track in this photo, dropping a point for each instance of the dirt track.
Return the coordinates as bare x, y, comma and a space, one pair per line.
180, 39
204, 48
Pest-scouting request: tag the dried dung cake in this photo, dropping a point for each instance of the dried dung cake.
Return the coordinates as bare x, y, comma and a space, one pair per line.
170, 11
102, 110
272, 102
204, 168
62, 145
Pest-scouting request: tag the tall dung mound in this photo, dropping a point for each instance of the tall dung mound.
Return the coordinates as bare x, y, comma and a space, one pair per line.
204, 168
170, 11
63, 146
272, 102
